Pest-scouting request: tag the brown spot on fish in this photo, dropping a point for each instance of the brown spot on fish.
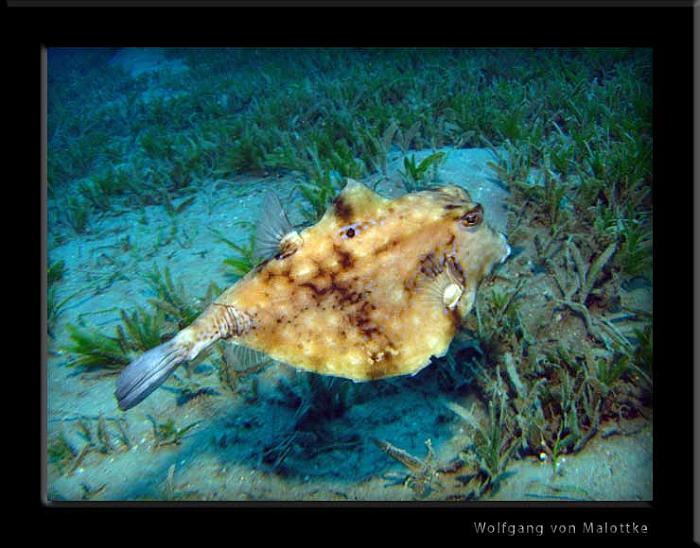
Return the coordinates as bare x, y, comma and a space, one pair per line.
429, 265
343, 209
383, 365
387, 247
316, 290
455, 317
345, 258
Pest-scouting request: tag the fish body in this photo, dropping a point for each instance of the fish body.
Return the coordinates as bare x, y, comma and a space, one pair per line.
375, 289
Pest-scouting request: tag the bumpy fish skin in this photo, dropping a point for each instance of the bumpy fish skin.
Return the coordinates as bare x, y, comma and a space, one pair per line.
343, 301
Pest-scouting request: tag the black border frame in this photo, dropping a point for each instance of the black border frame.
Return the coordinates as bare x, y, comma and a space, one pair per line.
668, 31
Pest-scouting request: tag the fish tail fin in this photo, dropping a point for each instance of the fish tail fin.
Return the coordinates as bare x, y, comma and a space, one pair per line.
152, 368
148, 372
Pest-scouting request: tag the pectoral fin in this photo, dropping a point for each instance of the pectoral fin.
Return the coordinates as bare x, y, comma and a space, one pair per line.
443, 290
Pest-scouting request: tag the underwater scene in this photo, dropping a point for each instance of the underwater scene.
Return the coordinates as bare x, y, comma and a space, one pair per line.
348, 274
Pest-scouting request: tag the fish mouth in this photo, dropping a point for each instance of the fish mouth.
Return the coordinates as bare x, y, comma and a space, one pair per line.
507, 249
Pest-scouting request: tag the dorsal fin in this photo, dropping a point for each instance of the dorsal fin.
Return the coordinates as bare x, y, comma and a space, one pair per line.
273, 226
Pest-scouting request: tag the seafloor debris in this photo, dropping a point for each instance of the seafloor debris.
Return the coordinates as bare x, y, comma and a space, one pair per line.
422, 474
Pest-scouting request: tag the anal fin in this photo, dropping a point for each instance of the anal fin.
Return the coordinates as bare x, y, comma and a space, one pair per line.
244, 359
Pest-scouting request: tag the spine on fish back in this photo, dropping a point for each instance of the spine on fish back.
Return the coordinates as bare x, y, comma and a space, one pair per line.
146, 373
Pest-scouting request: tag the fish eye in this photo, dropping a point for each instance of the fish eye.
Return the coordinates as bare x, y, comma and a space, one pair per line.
473, 217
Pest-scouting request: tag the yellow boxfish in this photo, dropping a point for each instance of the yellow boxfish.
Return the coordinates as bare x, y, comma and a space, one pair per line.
375, 289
